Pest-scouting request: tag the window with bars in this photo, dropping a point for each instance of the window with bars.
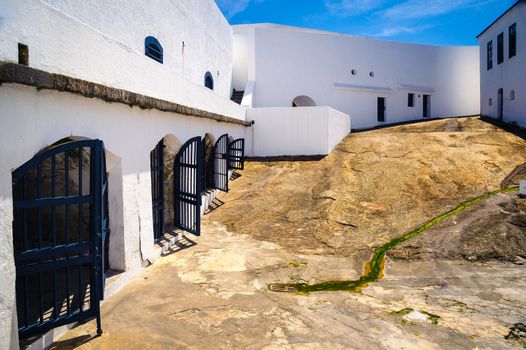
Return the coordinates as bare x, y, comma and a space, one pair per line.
490, 55
500, 48
153, 49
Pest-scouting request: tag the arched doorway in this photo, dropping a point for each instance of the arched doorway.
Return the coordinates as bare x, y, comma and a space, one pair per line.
162, 184
500, 104
303, 101
60, 235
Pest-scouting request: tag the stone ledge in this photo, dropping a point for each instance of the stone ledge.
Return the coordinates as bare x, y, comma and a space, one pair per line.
19, 74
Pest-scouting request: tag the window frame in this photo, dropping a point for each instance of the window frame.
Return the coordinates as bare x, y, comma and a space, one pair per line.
410, 99
500, 48
512, 40
153, 49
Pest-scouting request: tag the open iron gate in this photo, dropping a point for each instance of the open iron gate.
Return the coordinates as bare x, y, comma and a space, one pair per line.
59, 236
221, 157
188, 172
237, 154
157, 175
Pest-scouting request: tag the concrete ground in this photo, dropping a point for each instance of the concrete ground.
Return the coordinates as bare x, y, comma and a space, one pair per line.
318, 221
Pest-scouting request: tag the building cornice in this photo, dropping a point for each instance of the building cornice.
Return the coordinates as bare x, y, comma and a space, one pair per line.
20, 74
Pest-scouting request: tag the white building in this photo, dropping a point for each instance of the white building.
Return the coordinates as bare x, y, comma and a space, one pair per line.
374, 81
153, 81
503, 67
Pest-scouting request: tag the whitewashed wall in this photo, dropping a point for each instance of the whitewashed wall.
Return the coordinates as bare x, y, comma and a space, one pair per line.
509, 75
32, 120
287, 131
290, 62
103, 41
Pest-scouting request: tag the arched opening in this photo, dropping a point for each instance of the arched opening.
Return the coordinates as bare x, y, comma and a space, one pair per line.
303, 101
153, 49
162, 184
61, 233
209, 81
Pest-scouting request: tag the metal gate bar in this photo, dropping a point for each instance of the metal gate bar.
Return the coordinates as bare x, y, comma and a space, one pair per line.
188, 170
46, 254
237, 154
221, 162
157, 175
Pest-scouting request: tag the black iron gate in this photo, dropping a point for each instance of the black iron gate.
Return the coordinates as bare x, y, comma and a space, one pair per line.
221, 157
188, 172
157, 175
237, 154
59, 236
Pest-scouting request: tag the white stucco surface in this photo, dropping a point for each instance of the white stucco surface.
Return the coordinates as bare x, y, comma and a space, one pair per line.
287, 131
510, 74
286, 62
93, 40
129, 135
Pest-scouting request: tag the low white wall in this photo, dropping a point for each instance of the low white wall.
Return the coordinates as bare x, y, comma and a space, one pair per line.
32, 120
287, 131
60, 43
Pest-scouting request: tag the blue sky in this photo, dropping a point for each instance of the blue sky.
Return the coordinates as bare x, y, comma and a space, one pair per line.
437, 22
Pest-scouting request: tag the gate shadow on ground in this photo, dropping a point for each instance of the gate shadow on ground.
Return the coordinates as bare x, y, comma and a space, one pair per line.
181, 244
287, 158
216, 204
235, 176
72, 343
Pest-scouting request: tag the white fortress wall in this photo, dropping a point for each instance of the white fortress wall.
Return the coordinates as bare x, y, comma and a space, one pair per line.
510, 74
290, 62
97, 45
32, 120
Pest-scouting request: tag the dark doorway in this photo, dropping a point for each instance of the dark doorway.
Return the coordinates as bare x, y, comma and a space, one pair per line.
426, 106
157, 175
60, 236
381, 109
500, 104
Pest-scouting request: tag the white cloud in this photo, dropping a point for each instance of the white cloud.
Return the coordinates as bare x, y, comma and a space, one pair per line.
231, 8
397, 30
412, 9
348, 8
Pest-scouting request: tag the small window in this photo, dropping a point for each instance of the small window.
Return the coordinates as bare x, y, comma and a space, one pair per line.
153, 49
353, 72
411, 100
490, 102
512, 37
500, 48
490, 55
512, 95
209, 81
371, 74
23, 54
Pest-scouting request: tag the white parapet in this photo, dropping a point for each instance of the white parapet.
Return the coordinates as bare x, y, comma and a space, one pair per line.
297, 131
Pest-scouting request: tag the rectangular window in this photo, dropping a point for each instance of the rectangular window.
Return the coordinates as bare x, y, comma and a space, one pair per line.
411, 100
512, 37
500, 48
490, 55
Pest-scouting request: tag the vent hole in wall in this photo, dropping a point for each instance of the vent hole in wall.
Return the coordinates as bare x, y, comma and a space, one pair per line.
23, 54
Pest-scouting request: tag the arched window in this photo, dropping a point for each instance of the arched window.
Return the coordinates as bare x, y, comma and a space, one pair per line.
512, 95
303, 101
209, 81
153, 49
